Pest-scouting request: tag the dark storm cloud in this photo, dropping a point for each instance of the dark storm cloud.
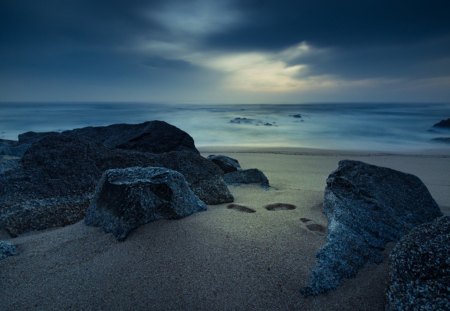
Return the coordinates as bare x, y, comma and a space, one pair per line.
153, 43
275, 24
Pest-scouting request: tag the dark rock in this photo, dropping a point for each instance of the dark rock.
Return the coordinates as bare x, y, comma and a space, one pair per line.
367, 206
297, 116
225, 163
151, 136
442, 140
420, 269
7, 249
240, 120
250, 176
443, 124
204, 177
128, 198
12, 148
59, 173
8, 163
32, 137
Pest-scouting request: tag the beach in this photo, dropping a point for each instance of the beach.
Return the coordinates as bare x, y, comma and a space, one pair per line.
220, 259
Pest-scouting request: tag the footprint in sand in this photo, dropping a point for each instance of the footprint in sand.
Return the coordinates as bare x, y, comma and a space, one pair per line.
241, 208
312, 226
280, 207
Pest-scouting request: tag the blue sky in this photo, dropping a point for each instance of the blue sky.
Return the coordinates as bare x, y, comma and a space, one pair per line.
225, 51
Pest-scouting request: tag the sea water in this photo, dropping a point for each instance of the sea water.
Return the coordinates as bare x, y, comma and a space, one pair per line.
340, 126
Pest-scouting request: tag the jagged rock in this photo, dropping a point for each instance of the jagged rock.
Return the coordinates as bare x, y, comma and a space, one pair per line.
226, 164
59, 172
128, 198
250, 176
443, 124
7, 249
366, 206
420, 269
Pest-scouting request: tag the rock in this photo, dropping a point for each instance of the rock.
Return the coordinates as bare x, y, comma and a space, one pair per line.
297, 116
443, 124
204, 177
240, 120
250, 176
128, 198
7, 249
32, 137
12, 148
8, 163
420, 269
151, 136
225, 163
58, 175
367, 206
442, 140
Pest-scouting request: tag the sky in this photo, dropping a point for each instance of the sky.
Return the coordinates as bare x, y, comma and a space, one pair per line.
225, 51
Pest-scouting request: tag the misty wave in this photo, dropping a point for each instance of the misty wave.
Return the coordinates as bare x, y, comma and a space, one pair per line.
381, 127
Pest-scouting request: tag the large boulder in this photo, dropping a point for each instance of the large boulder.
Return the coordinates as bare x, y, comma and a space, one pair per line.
420, 269
151, 136
128, 198
7, 249
250, 176
366, 206
226, 164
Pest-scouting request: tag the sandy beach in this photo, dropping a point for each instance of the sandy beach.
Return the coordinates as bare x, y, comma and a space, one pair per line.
220, 259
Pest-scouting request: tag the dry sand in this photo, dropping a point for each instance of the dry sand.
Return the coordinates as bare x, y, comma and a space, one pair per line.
221, 259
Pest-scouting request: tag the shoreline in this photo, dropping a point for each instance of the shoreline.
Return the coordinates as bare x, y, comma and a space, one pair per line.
438, 152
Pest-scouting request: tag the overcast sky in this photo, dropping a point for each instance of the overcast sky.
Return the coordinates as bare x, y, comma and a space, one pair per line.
225, 51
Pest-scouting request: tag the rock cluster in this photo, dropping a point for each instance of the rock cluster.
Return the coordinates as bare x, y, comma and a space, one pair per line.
130, 197
366, 206
56, 177
420, 269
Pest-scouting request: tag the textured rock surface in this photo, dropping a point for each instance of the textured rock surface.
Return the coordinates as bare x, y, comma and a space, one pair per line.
226, 164
366, 206
128, 198
57, 175
250, 176
204, 178
7, 249
420, 269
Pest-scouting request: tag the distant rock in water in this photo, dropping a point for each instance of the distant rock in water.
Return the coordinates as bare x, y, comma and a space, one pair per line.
128, 198
445, 140
250, 176
225, 163
7, 249
250, 121
443, 124
297, 116
420, 269
53, 182
367, 206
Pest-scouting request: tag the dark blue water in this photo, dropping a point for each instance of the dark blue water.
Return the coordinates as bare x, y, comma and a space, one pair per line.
378, 127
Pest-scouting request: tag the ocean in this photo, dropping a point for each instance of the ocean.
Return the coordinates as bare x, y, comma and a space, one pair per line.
340, 126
